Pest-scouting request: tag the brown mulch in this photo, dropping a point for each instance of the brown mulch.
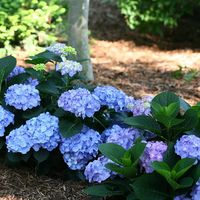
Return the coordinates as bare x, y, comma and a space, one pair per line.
23, 184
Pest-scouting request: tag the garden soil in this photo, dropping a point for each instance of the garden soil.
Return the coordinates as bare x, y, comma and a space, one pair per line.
139, 64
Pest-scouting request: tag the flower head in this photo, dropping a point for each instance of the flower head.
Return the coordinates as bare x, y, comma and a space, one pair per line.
80, 148
121, 136
142, 106
16, 71
154, 151
38, 132
6, 118
188, 146
196, 191
22, 96
80, 102
111, 97
69, 67
96, 171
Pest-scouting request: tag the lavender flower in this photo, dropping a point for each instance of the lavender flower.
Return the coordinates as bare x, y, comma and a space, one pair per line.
57, 48
69, 67
80, 148
80, 102
111, 97
181, 197
22, 96
154, 151
121, 136
129, 103
16, 71
32, 82
142, 106
96, 171
196, 191
188, 146
38, 132
6, 118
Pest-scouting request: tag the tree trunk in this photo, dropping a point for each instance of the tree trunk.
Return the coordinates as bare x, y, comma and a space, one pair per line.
78, 33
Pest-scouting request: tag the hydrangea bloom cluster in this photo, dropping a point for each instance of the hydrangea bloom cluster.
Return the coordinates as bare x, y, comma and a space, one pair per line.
96, 171
58, 49
129, 103
69, 67
80, 102
181, 197
154, 151
188, 146
142, 106
22, 96
111, 97
38, 132
196, 191
6, 118
32, 82
80, 148
121, 136
16, 71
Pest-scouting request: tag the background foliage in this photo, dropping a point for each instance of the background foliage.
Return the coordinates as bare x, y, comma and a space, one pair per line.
154, 15
30, 22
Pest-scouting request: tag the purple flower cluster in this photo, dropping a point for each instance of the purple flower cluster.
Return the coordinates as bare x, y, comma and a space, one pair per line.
181, 197
196, 191
38, 132
121, 136
6, 118
80, 102
188, 146
80, 148
69, 67
142, 106
16, 71
129, 103
58, 49
22, 96
96, 171
154, 151
111, 97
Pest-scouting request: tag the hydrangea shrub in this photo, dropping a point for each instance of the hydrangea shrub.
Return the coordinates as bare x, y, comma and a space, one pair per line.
146, 149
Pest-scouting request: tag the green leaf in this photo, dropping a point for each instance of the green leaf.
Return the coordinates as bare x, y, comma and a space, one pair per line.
28, 114
144, 122
112, 151
186, 182
41, 155
166, 98
102, 191
48, 87
151, 187
68, 128
162, 168
13, 157
183, 166
129, 172
21, 78
7, 64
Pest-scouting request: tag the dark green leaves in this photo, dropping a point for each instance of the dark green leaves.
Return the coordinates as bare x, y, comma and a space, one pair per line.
70, 128
41, 155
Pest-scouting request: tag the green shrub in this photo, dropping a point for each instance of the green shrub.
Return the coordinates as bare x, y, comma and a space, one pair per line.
154, 15
30, 22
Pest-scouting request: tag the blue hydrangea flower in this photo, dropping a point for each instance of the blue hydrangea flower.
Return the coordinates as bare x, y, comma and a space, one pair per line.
154, 151
111, 97
196, 191
80, 102
69, 67
142, 106
80, 148
121, 136
22, 96
129, 103
19, 140
6, 118
32, 82
58, 49
181, 197
96, 171
38, 132
16, 71
188, 146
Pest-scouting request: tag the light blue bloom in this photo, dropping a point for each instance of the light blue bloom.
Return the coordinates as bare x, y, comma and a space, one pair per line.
32, 82
111, 97
188, 146
58, 49
16, 71
80, 102
181, 197
196, 191
96, 171
6, 118
38, 132
154, 151
22, 96
69, 67
79, 149
121, 136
